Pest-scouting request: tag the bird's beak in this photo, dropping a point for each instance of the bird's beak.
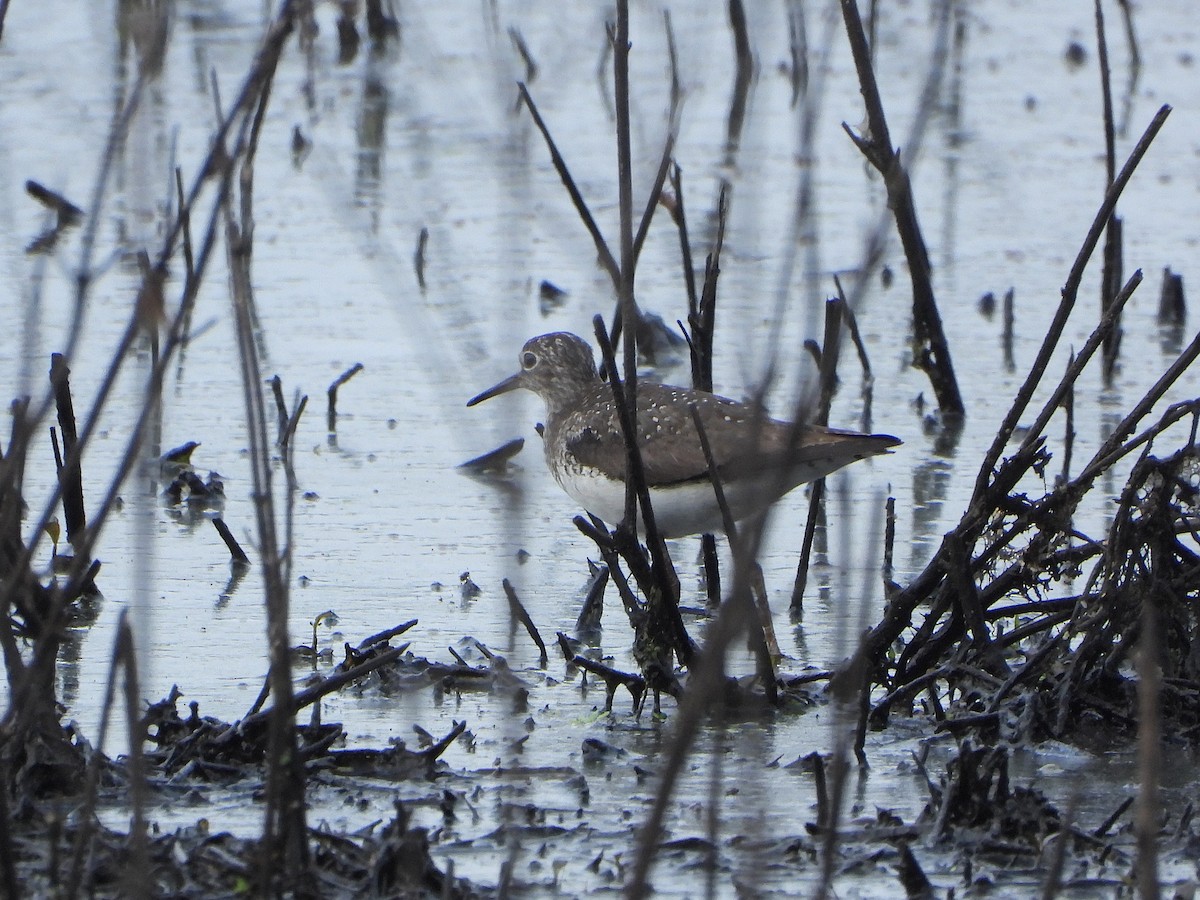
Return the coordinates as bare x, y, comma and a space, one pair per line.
508, 384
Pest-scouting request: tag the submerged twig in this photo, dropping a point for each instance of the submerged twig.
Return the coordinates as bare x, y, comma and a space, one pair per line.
235, 549
834, 310
70, 472
518, 610
419, 257
331, 414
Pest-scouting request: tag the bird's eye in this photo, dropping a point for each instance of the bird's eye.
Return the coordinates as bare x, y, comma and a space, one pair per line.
529, 359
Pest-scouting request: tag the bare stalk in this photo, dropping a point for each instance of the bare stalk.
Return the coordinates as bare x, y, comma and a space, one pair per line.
932, 350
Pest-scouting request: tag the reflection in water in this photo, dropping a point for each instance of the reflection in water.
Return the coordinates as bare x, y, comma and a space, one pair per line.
808, 87
31, 327
931, 483
952, 139
800, 636
1135, 71
931, 486
70, 653
371, 134
508, 484
946, 439
1170, 339
84, 612
831, 571
868, 401
743, 78
307, 41
604, 80
348, 38
237, 574
143, 176
143, 26
507, 221
1006, 336
144, 184
204, 28
1110, 418
1172, 313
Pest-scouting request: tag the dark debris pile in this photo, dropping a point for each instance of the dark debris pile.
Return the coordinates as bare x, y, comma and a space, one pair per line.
58, 840
394, 861
1036, 630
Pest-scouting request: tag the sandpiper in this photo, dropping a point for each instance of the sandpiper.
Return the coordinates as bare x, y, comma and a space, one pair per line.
757, 458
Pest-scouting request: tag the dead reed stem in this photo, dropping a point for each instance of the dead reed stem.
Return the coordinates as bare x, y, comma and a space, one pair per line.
966, 562
679, 217
702, 316
518, 611
662, 588
30, 715
625, 298
1149, 751
135, 881
1111, 274
758, 616
70, 477
932, 350
992, 484
1070, 292
332, 395
42, 658
285, 838
828, 382
622, 272
607, 260
706, 674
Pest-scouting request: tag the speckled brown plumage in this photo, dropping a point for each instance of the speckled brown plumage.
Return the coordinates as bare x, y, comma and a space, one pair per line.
585, 449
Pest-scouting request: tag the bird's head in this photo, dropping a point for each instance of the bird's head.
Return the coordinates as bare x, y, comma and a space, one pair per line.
555, 366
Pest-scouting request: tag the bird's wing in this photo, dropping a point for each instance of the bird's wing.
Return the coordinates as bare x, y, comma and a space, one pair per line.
742, 440
667, 436
816, 451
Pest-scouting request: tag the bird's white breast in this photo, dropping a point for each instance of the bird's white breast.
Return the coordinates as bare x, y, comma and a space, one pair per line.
681, 509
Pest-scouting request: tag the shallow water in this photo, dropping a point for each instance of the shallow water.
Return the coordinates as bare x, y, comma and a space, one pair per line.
426, 136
